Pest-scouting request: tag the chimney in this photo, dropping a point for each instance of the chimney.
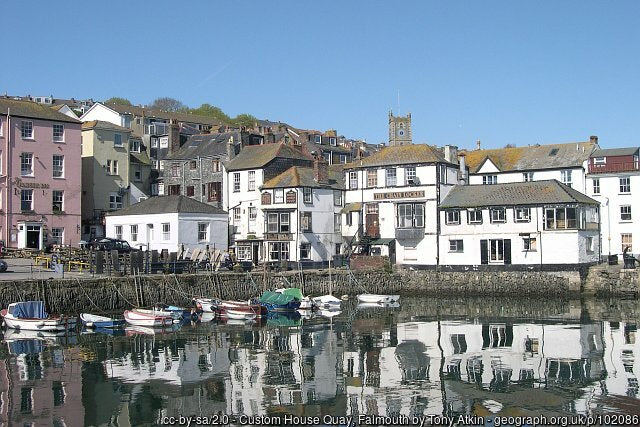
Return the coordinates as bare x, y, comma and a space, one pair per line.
478, 144
174, 138
463, 169
320, 169
231, 148
593, 139
451, 153
269, 137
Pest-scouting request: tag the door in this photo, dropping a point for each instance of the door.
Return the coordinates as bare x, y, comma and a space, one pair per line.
255, 249
372, 220
33, 236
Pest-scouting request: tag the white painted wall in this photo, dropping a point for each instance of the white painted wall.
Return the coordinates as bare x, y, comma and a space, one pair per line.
183, 230
101, 112
578, 176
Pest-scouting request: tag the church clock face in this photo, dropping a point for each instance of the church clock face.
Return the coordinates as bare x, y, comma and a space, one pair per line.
401, 132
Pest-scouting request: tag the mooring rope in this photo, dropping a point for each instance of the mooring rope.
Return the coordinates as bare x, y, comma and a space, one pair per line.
89, 298
122, 296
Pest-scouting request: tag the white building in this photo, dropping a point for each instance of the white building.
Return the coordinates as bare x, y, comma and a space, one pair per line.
566, 163
392, 200
613, 178
169, 222
249, 231
542, 224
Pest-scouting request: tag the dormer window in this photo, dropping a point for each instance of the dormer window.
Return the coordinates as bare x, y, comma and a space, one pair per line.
598, 161
317, 139
333, 141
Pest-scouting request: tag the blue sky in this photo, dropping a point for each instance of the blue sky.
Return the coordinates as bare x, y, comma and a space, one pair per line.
499, 71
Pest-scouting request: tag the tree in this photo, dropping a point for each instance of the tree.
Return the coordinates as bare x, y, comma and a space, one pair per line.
246, 120
118, 101
510, 146
211, 111
168, 104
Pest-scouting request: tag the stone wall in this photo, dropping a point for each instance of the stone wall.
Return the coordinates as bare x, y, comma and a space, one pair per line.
604, 280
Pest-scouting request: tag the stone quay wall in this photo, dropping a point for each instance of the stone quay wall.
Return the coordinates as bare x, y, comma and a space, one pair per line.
118, 293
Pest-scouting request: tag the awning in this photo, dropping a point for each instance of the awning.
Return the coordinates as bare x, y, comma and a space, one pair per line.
381, 241
351, 207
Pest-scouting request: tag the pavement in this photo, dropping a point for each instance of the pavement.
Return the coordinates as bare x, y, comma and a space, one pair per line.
26, 269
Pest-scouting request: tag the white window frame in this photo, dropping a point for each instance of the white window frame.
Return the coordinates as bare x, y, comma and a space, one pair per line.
23, 171
625, 185
236, 182
137, 172
133, 232
305, 246
117, 140
409, 175
495, 217
317, 139
522, 214
117, 230
353, 180
596, 185
566, 177
26, 196
278, 196
307, 195
60, 201
57, 235
496, 251
625, 213
452, 217
58, 168
203, 231
115, 201
252, 180
237, 215
527, 176
372, 178
253, 219
26, 129
529, 244
134, 145
456, 245
58, 132
166, 231
629, 241
337, 197
489, 179
390, 177
599, 161
337, 223
474, 213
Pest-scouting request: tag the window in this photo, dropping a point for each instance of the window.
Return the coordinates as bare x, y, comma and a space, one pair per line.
137, 172
327, 156
215, 165
134, 146
58, 166
26, 129
372, 178
279, 251
498, 215
58, 393
456, 246
452, 217
565, 177
26, 164
118, 231
349, 219
390, 177
203, 231
409, 176
474, 216
58, 200
236, 182
338, 248
343, 158
193, 164
590, 246
58, 133
307, 195
596, 185
305, 222
529, 244
133, 230
625, 213
278, 222
337, 198
353, 180
496, 250
489, 179
252, 180
26, 400
527, 176
237, 213
278, 195
625, 185
317, 139
560, 218
26, 200
459, 343
112, 167
337, 223
598, 161
410, 215
115, 201
244, 253
332, 141
191, 190
626, 242
117, 140
305, 251
154, 142
166, 231
126, 122
174, 190
443, 174
57, 235
253, 216
522, 214
164, 142
214, 191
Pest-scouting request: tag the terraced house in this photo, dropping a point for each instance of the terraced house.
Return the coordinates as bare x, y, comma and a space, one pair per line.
40, 184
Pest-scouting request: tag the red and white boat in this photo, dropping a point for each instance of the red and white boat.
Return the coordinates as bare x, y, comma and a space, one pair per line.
142, 317
32, 316
236, 309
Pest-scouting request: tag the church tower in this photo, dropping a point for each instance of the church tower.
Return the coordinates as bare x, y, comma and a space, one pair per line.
399, 130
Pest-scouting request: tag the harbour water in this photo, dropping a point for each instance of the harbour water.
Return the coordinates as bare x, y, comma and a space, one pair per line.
425, 360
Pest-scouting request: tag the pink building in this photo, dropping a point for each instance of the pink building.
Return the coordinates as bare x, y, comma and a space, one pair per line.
40, 175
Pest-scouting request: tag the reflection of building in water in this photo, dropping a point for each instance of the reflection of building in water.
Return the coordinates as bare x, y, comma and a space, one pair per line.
41, 385
620, 359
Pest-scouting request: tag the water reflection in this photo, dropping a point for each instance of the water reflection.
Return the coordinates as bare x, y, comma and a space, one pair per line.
379, 361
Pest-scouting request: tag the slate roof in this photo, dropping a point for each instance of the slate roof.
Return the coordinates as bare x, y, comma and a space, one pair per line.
513, 194
352, 207
167, 204
201, 145
151, 112
400, 155
628, 151
297, 176
257, 156
100, 124
32, 110
535, 157
140, 158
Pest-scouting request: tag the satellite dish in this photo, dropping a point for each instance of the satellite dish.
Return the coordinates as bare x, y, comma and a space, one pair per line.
416, 180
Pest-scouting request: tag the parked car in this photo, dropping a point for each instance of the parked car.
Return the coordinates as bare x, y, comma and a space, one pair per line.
3, 266
109, 244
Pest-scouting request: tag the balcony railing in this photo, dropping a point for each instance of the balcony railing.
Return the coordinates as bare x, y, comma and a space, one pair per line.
156, 129
614, 167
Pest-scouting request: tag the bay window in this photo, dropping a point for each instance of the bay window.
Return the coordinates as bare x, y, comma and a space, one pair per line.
410, 215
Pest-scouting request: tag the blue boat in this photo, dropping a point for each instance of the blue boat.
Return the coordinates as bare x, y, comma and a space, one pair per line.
95, 321
279, 302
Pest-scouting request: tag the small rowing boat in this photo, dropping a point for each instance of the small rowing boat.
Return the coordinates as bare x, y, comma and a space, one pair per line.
95, 321
32, 316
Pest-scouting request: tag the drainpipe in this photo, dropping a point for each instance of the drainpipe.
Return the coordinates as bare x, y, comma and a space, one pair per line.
437, 216
8, 179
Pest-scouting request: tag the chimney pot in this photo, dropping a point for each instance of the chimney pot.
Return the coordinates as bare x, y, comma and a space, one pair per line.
478, 144
593, 139
320, 169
